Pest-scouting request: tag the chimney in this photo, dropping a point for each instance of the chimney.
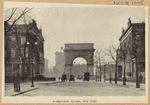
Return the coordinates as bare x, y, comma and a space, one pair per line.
41, 29
122, 30
34, 22
129, 21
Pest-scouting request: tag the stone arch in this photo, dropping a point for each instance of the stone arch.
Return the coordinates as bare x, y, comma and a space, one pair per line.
84, 50
83, 59
78, 57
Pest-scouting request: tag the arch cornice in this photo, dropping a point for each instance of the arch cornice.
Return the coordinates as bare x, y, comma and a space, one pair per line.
77, 50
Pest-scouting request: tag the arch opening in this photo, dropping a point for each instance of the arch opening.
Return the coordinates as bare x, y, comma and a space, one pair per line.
79, 66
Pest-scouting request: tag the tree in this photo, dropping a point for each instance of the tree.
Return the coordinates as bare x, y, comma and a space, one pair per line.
136, 49
15, 15
112, 52
99, 58
11, 18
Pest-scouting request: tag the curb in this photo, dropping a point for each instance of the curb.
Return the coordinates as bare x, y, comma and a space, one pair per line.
25, 91
31, 89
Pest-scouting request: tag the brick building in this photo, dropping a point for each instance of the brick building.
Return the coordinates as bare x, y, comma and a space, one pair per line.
21, 53
132, 47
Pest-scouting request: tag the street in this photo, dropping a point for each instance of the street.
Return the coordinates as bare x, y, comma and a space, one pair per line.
85, 88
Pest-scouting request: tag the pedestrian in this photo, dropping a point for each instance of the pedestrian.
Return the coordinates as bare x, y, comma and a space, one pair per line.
141, 78
59, 78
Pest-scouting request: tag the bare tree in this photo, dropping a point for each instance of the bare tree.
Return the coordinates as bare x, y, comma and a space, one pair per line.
99, 58
112, 52
10, 26
136, 49
15, 15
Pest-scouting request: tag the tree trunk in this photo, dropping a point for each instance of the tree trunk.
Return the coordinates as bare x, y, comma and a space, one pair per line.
137, 75
16, 77
116, 72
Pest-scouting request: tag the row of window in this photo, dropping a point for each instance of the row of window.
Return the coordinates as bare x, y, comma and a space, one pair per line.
14, 53
22, 39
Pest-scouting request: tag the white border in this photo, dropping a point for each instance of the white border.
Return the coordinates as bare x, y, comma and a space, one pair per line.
99, 99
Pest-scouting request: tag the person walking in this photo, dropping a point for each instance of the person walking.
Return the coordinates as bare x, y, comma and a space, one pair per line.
141, 78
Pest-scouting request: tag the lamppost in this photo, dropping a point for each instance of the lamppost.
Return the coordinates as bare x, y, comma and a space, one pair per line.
32, 42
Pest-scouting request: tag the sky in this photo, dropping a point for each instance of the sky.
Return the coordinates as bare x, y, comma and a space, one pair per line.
65, 23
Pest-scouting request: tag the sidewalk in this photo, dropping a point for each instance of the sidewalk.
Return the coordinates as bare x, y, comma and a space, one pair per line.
24, 87
128, 85
120, 84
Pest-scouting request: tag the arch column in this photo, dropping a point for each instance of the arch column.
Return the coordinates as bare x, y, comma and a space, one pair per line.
68, 70
91, 71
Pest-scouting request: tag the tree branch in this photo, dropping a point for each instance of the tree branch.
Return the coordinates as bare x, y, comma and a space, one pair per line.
12, 13
24, 12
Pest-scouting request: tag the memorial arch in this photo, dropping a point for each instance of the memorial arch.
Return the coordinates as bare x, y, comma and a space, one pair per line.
75, 50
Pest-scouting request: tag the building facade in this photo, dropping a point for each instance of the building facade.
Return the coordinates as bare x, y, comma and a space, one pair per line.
59, 67
45, 67
132, 50
24, 51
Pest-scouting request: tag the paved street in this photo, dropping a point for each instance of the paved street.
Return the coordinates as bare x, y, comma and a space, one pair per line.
80, 88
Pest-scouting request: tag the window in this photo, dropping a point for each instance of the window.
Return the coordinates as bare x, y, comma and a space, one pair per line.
41, 56
13, 39
22, 52
26, 69
27, 51
13, 53
23, 40
124, 45
137, 37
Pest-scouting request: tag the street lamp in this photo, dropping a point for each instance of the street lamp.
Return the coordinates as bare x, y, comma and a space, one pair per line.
32, 42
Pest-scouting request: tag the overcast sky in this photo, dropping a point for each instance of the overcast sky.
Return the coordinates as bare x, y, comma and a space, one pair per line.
101, 25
